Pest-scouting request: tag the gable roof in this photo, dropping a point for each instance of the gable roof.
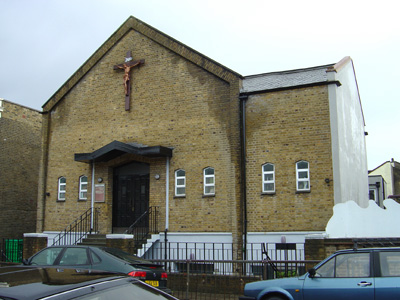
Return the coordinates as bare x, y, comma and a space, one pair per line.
159, 37
285, 79
293, 78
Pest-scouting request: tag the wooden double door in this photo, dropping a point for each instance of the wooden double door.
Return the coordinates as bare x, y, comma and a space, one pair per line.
131, 195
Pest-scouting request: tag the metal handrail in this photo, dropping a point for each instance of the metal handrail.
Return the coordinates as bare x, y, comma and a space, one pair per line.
78, 229
146, 224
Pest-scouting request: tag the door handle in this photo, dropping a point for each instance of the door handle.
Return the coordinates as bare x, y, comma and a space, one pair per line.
364, 283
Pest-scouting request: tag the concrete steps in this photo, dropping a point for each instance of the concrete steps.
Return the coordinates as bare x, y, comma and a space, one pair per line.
94, 240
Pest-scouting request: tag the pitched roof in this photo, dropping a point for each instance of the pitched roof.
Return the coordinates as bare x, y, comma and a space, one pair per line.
286, 79
159, 37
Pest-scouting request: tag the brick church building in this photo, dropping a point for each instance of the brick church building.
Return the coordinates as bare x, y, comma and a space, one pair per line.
149, 125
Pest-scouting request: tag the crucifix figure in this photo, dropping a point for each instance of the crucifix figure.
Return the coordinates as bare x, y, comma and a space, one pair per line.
127, 66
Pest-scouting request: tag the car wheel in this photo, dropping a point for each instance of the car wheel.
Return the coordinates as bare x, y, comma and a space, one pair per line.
275, 298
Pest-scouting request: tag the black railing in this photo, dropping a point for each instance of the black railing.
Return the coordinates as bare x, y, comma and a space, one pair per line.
85, 224
224, 251
224, 279
144, 226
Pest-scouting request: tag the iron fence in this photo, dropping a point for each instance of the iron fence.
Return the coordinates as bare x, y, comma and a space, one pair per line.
223, 251
11, 250
217, 279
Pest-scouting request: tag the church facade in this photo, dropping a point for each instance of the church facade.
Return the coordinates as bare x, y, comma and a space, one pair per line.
149, 124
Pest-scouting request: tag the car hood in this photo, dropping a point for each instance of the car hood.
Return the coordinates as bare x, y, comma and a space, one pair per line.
10, 277
253, 289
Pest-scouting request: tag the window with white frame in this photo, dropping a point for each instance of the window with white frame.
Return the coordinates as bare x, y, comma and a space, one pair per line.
209, 181
268, 178
62, 184
302, 176
180, 183
83, 187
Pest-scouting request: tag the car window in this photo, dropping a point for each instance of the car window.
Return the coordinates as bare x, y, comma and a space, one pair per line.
95, 258
125, 256
327, 270
390, 263
347, 265
46, 257
74, 256
353, 265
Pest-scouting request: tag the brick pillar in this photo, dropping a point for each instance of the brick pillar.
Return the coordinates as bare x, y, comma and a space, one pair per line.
120, 241
33, 242
315, 249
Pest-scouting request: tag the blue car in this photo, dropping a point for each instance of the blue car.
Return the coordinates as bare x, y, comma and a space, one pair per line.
367, 274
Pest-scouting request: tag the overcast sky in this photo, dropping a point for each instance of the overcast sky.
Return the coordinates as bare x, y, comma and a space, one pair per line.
43, 42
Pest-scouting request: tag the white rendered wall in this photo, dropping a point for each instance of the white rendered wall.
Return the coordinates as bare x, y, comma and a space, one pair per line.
349, 155
352, 221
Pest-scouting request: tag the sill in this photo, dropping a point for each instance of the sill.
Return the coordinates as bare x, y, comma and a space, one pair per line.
303, 192
82, 200
180, 196
208, 196
58, 200
268, 193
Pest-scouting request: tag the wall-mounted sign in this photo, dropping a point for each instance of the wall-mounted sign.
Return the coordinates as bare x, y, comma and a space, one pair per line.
99, 192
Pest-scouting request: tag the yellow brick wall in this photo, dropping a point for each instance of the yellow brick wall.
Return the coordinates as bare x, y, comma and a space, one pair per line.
174, 103
284, 127
20, 147
184, 101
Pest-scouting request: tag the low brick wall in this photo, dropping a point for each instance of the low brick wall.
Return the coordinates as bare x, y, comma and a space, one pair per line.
319, 249
208, 283
33, 243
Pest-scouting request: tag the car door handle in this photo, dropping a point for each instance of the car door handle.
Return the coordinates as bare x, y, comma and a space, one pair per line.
364, 283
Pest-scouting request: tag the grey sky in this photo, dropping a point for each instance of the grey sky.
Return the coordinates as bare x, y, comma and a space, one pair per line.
43, 42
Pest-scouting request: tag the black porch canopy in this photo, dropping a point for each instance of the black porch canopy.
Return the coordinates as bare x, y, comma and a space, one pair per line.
116, 148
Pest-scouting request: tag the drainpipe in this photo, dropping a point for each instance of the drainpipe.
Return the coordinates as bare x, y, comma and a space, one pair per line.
92, 200
167, 195
166, 209
243, 99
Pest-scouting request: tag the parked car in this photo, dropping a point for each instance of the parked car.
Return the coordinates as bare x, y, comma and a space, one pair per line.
101, 258
59, 283
366, 274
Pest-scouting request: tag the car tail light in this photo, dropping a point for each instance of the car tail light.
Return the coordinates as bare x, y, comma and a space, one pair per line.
164, 276
138, 274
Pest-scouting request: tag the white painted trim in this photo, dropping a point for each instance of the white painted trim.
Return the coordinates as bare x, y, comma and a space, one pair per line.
288, 233
36, 235
119, 236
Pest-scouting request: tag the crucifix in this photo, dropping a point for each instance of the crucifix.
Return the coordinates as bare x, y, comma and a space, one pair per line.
127, 66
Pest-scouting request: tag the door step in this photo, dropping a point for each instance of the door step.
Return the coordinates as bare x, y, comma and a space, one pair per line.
94, 240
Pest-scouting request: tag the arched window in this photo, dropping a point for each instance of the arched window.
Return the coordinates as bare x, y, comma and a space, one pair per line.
62, 185
302, 176
268, 178
209, 181
180, 183
83, 187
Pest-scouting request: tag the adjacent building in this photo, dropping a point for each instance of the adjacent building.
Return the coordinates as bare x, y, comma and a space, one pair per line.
20, 148
384, 182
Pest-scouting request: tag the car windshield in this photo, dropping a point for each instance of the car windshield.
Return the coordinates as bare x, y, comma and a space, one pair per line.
126, 256
128, 291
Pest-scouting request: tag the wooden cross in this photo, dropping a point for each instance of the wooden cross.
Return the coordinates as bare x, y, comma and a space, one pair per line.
127, 66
